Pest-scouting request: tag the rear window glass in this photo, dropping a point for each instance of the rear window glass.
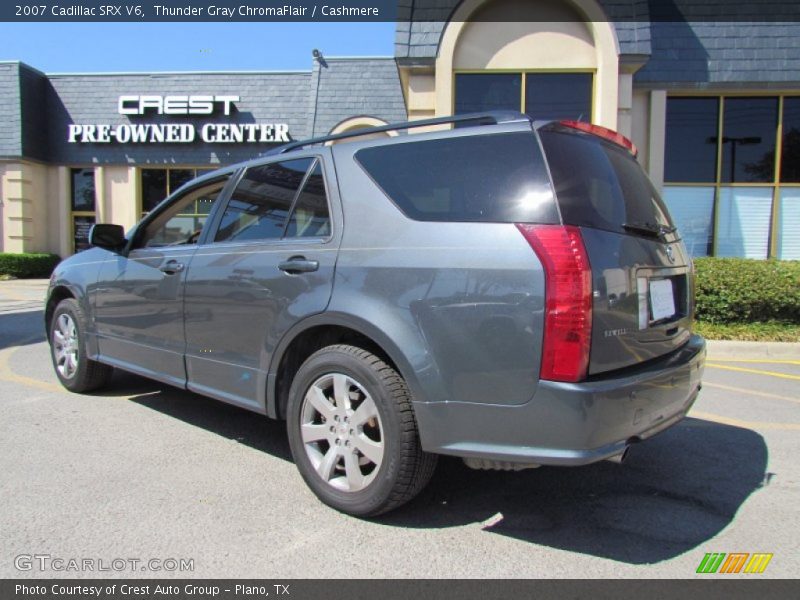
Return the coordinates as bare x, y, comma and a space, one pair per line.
491, 178
600, 185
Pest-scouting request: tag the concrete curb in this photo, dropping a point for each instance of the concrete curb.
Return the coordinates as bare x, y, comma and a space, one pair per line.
753, 350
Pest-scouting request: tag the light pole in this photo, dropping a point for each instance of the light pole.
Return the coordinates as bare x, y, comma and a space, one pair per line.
734, 142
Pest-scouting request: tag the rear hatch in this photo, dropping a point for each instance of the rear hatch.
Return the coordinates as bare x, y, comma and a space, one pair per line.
642, 282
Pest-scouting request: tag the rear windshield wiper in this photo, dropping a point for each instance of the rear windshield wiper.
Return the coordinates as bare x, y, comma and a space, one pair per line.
650, 229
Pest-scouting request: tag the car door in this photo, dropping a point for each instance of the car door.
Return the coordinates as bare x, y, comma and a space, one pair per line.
269, 264
139, 298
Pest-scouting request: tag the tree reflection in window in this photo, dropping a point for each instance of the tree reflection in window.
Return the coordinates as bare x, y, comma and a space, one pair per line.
748, 140
790, 152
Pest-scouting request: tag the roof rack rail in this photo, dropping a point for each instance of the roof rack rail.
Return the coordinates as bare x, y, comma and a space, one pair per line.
483, 118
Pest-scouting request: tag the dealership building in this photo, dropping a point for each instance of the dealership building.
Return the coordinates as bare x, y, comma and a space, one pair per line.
713, 108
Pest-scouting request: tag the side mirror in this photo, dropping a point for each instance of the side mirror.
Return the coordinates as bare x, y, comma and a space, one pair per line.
107, 236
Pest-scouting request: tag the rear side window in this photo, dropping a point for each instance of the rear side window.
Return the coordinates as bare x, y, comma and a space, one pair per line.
269, 203
600, 185
491, 178
310, 215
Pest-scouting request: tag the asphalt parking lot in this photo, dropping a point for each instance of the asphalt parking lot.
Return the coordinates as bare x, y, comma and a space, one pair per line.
146, 471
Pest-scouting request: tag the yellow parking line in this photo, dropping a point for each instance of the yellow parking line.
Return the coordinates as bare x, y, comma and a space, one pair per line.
9, 376
739, 390
6, 374
756, 371
756, 361
744, 424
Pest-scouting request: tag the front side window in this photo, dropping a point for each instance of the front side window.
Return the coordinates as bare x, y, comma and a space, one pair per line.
157, 184
275, 201
176, 225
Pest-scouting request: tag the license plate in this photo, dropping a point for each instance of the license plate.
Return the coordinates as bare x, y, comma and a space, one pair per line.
662, 299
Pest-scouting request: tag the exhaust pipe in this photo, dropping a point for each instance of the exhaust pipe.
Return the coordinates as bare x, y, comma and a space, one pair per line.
619, 458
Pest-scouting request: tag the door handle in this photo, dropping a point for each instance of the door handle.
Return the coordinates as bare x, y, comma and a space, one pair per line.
171, 267
298, 264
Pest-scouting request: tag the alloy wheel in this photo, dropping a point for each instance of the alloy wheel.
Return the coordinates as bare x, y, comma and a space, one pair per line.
65, 346
342, 432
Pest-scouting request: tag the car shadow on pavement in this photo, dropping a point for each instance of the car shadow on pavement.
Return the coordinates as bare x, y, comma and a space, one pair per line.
16, 328
243, 426
674, 493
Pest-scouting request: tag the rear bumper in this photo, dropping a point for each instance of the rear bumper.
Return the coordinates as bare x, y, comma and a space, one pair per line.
570, 423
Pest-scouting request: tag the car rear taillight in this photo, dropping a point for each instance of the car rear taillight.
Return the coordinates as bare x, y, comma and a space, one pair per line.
568, 300
603, 132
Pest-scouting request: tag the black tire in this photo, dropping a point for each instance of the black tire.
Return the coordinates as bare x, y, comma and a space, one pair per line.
404, 468
88, 375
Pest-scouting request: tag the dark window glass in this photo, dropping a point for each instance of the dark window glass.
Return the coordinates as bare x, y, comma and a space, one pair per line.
177, 177
203, 206
261, 202
691, 140
490, 178
310, 215
157, 184
154, 188
599, 184
748, 140
479, 92
82, 189
176, 225
550, 96
790, 152
80, 230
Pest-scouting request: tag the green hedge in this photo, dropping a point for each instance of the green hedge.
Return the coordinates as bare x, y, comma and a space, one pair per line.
737, 290
28, 266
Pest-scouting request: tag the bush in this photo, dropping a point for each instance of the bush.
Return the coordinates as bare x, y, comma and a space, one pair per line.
27, 265
770, 331
737, 290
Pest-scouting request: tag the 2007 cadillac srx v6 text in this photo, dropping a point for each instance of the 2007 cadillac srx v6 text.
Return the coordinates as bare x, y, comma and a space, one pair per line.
508, 291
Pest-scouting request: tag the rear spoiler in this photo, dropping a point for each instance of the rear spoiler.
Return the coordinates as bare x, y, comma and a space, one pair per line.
603, 132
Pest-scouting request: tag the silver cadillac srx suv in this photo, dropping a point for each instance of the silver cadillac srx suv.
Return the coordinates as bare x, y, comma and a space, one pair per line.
508, 291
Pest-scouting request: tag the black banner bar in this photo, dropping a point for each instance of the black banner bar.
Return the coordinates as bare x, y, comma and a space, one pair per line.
713, 588
379, 10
